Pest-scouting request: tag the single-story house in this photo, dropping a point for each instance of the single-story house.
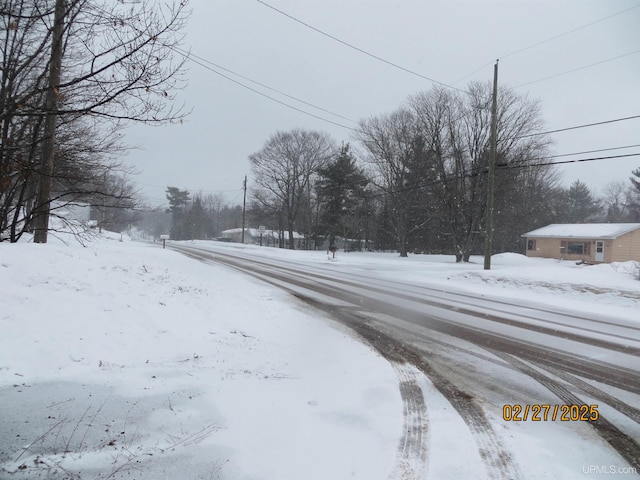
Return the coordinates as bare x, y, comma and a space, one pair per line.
270, 238
71, 211
590, 242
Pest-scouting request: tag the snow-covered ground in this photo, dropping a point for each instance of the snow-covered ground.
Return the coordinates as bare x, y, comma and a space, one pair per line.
121, 358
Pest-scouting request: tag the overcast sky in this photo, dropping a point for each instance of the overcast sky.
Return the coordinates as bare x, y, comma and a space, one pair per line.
453, 42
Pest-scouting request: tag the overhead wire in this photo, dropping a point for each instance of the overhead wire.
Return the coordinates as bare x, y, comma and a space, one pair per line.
207, 64
577, 160
482, 170
358, 49
569, 32
547, 40
579, 68
188, 54
498, 167
208, 67
580, 126
591, 151
503, 56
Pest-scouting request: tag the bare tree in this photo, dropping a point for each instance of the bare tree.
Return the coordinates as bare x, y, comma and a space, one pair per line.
430, 159
400, 162
68, 61
456, 128
283, 170
614, 197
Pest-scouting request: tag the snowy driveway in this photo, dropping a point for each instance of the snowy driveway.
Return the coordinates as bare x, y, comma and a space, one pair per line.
535, 388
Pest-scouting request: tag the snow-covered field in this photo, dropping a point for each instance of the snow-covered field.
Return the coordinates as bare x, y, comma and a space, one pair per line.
120, 358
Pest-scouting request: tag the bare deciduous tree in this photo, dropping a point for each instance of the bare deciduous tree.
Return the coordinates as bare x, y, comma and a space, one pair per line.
398, 157
431, 160
117, 64
283, 170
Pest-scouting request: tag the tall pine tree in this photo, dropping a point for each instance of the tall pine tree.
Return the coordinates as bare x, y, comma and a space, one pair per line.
340, 189
178, 202
581, 205
634, 195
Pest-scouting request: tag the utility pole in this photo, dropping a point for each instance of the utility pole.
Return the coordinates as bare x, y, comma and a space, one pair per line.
244, 205
45, 174
488, 241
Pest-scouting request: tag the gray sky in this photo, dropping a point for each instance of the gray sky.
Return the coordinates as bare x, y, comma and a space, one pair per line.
452, 42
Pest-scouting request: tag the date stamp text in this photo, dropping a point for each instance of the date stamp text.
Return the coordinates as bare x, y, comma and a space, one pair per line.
546, 412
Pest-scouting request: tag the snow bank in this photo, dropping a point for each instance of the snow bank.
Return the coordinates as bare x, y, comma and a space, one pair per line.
119, 356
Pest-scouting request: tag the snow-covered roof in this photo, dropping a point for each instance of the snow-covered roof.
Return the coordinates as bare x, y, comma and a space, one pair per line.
254, 232
583, 230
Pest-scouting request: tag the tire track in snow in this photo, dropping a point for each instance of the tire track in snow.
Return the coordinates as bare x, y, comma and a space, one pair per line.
498, 461
627, 447
412, 451
624, 408
282, 277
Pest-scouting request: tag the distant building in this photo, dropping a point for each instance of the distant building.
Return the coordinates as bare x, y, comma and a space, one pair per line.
589, 242
71, 211
270, 238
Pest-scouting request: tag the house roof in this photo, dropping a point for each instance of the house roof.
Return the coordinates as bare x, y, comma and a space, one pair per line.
583, 230
255, 233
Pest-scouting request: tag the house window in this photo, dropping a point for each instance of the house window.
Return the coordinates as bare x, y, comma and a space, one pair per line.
531, 244
578, 248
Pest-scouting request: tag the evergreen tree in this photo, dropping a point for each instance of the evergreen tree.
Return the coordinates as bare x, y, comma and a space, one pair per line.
340, 189
196, 220
633, 201
178, 202
581, 205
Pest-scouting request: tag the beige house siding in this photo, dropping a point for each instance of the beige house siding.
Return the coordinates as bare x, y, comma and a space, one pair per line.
620, 242
624, 248
551, 248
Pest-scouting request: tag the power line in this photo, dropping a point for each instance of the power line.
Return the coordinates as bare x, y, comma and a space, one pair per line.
562, 162
203, 63
555, 37
590, 151
474, 72
580, 126
395, 65
579, 68
208, 67
187, 54
483, 171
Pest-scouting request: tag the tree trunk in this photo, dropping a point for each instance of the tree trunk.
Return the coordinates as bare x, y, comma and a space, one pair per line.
403, 246
292, 245
43, 205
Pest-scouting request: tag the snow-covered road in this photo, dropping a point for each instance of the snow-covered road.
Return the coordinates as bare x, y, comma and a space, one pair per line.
573, 374
123, 360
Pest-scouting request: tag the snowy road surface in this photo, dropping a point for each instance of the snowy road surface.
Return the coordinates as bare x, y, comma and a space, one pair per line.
121, 360
524, 378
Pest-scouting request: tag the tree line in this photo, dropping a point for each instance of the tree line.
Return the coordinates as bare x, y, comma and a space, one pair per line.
73, 73
195, 216
415, 179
